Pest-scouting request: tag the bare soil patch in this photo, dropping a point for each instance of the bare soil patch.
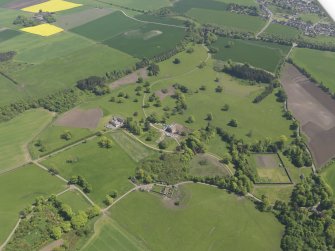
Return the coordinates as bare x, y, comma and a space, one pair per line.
129, 79
20, 4
73, 20
168, 92
315, 110
78, 118
53, 245
266, 161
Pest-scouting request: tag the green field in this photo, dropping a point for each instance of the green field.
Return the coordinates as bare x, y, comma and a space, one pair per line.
105, 169
282, 31
7, 35
75, 200
141, 5
147, 41
263, 119
320, 64
227, 19
10, 91
184, 5
18, 189
133, 37
273, 193
257, 53
16, 134
207, 166
329, 176
207, 219
51, 139
272, 172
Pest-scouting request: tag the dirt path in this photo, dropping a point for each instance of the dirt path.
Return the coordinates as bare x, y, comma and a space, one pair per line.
268, 23
51, 246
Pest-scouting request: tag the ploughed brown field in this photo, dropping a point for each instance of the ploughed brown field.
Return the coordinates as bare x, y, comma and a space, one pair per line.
78, 118
20, 4
315, 110
130, 79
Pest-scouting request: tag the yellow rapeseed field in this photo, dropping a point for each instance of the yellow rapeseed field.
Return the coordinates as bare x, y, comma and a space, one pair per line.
51, 6
43, 30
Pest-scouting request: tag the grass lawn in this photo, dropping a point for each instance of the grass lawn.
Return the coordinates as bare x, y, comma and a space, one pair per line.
17, 133
18, 189
260, 120
51, 139
274, 192
269, 168
109, 235
206, 166
257, 53
320, 64
75, 200
282, 31
133, 148
328, 173
227, 19
207, 218
105, 169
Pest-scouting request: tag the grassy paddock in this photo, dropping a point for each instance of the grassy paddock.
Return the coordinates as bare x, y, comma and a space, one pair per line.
257, 53
105, 169
204, 211
328, 174
207, 166
19, 188
16, 134
75, 200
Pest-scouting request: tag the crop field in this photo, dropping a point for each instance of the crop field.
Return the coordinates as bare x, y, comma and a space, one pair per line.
203, 211
75, 200
227, 19
50, 139
206, 166
44, 30
318, 122
51, 6
24, 184
257, 53
269, 168
320, 64
282, 31
262, 120
135, 38
105, 169
141, 5
147, 41
185, 5
97, 59
16, 134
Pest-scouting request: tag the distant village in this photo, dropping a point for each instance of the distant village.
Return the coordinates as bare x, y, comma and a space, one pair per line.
294, 8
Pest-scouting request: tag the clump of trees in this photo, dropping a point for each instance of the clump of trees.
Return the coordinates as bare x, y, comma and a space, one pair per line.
49, 219
105, 142
245, 71
67, 135
82, 182
6, 56
93, 84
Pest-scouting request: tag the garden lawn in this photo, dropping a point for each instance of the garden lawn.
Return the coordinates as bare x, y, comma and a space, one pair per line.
18, 189
105, 169
75, 200
207, 218
227, 19
257, 53
320, 64
17, 133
